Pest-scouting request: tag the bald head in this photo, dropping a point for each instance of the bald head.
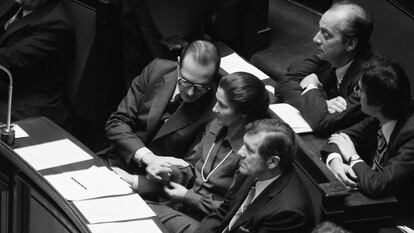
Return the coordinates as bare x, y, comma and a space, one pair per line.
356, 22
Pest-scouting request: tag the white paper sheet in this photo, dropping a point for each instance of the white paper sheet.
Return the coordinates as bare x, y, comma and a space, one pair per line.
52, 154
18, 132
291, 116
144, 225
89, 183
234, 63
113, 209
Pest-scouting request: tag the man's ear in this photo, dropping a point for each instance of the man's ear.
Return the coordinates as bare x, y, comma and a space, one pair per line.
351, 44
273, 161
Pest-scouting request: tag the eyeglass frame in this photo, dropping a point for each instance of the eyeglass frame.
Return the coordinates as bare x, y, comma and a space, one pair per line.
187, 83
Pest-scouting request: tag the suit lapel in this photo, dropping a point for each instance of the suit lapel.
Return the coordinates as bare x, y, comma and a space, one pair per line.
163, 92
185, 115
393, 140
351, 77
259, 204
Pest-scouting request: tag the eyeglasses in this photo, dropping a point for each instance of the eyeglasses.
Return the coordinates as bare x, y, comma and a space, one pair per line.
188, 84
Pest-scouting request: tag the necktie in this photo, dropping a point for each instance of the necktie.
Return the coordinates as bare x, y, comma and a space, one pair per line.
379, 153
243, 206
174, 104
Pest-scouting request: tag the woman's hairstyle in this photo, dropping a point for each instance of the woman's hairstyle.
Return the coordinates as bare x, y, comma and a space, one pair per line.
246, 94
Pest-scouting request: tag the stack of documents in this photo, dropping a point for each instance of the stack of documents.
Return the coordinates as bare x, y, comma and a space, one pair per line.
291, 116
89, 183
144, 225
234, 63
113, 209
52, 154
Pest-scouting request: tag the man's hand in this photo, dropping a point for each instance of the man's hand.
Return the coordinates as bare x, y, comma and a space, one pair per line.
337, 104
345, 145
158, 173
175, 191
343, 172
310, 79
164, 161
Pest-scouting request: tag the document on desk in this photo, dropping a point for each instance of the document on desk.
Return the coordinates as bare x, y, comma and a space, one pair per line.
52, 154
89, 183
143, 225
291, 116
18, 131
114, 209
234, 63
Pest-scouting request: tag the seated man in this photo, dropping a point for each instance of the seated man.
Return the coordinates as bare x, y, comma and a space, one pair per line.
273, 198
165, 109
36, 44
321, 87
377, 154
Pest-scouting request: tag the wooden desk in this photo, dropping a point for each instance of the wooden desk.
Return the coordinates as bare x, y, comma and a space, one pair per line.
28, 202
331, 199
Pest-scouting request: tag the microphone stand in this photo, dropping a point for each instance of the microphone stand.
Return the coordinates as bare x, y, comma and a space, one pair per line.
7, 134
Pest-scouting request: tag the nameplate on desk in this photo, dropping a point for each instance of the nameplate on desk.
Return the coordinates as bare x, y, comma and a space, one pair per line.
89, 183
52, 154
142, 225
114, 209
234, 63
291, 116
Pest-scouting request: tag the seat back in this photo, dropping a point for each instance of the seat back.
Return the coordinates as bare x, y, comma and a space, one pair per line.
80, 88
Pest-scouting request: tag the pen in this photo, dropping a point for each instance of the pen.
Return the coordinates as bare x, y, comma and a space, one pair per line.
79, 183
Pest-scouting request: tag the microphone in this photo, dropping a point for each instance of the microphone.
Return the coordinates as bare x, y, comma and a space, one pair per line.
7, 134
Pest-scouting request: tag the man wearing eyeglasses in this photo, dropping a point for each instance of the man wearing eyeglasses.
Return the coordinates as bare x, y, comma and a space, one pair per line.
165, 109
321, 86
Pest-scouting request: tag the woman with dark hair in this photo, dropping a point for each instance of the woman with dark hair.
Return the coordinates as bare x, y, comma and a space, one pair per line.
198, 189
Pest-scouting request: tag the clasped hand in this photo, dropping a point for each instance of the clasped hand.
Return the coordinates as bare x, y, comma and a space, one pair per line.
159, 167
337, 104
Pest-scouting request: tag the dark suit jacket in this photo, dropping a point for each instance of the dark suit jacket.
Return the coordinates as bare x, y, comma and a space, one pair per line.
38, 51
284, 206
312, 104
397, 175
138, 120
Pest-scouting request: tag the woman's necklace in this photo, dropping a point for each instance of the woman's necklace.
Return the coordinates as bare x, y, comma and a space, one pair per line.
218, 165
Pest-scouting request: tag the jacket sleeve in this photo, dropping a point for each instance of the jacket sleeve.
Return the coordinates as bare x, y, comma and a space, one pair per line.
363, 136
289, 90
206, 203
43, 42
124, 122
395, 174
323, 123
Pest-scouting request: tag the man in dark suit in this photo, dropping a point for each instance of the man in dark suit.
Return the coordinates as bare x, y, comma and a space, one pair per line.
273, 198
149, 126
377, 154
321, 86
36, 40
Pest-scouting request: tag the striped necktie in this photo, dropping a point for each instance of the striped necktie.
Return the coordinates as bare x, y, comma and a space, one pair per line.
379, 153
243, 207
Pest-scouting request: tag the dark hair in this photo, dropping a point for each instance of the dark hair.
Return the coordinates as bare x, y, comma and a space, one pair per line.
359, 23
279, 141
387, 87
204, 52
246, 94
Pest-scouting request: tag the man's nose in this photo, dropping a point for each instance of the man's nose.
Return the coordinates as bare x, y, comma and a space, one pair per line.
317, 39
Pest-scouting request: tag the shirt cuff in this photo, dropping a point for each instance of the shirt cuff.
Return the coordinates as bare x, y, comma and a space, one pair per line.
353, 162
308, 88
332, 156
140, 153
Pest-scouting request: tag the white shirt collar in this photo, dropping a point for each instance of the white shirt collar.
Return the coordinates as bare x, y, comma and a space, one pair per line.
387, 129
176, 91
341, 71
261, 185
